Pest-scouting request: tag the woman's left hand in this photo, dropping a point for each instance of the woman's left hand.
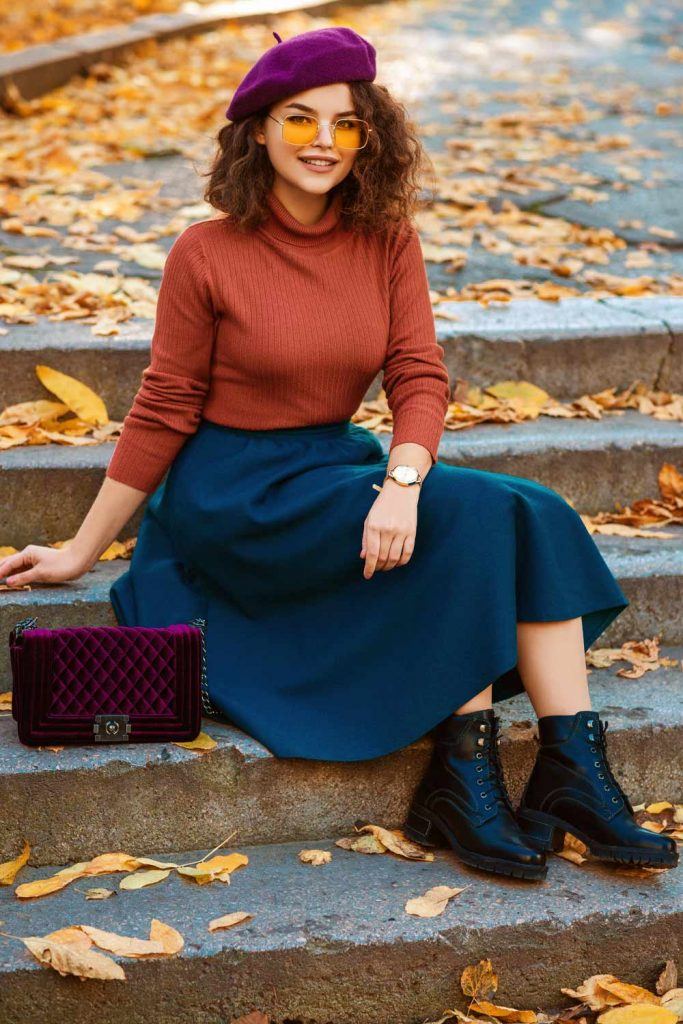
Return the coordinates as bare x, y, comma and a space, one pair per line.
389, 528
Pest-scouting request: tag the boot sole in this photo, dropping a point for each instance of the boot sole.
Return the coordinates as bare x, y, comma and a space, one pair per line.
437, 834
546, 832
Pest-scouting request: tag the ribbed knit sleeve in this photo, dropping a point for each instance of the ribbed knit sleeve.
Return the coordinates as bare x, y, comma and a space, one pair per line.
415, 378
167, 407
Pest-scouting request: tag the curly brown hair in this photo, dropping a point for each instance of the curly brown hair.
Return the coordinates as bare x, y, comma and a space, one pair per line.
381, 189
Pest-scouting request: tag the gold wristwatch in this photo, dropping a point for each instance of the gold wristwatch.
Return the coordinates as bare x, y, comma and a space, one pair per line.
404, 475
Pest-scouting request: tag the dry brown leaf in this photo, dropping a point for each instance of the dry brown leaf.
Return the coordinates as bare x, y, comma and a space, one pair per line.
503, 1012
67, 959
218, 868
10, 868
667, 979
98, 893
573, 849
141, 879
76, 395
396, 842
45, 886
361, 844
638, 1013
673, 1000
479, 980
315, 857
433, 902
627, 993
169, 937
201, 743
603, 990
228, 920
121, 945
71, 935
106, 862
151, 863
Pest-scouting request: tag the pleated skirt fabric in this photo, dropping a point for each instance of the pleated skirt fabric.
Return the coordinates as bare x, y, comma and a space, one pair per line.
259, 532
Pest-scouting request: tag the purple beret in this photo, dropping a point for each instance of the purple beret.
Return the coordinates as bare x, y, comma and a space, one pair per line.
319, 57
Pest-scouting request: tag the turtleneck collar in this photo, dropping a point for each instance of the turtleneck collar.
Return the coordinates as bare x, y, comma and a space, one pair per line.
286, 228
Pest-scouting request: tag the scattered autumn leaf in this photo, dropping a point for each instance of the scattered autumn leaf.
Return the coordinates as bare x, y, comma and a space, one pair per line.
315, 857
479, 980
503, 1012
433, 902
67, 959
638, 1013
228, 920
10, 868
201, 743
141, 879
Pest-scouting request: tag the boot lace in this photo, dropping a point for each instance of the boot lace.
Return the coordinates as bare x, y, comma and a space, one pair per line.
605, 773
492, 769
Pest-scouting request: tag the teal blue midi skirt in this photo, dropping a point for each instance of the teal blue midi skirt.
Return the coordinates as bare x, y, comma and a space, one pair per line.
259, 532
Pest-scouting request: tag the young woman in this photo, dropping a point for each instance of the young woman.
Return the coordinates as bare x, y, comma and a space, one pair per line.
353, 600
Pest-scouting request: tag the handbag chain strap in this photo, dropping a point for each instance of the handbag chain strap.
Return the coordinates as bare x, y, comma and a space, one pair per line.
27, 623
210, 710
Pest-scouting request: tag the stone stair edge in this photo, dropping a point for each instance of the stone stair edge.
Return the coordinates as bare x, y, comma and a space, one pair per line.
241, 786
307, 953
522, 320
36, 70
624, 430
665, 682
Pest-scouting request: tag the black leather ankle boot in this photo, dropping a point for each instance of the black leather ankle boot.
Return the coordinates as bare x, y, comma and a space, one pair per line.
462, 801
572, 789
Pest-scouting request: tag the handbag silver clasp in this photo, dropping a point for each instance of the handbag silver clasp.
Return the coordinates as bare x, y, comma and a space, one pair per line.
111, 728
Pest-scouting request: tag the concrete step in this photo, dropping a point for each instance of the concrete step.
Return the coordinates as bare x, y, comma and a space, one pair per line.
649, 570
591, 463
108, 797
569, 348
334, 943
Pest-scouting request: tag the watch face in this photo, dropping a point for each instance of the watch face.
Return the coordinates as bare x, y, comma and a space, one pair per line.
405, 474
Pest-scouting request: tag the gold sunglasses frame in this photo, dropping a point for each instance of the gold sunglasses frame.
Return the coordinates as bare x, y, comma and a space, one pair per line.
332, 125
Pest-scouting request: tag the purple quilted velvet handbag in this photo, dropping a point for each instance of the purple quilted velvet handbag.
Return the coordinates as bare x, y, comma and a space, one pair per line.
104, 684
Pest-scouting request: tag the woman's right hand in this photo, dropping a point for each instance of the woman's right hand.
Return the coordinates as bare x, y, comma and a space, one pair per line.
36, 564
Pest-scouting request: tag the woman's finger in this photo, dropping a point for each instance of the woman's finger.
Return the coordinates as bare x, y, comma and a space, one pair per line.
395, 549
408, 548
372, 554
13, 563
386, 537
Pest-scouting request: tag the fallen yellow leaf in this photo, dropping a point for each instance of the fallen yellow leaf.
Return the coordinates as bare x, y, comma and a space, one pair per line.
479, 980
201, 742
673, 1000
396, 842
140, 879
72, 936
315, 857
433, 902
504, 1012
638, 1013
228, 920
10, 868
69, 960
122, 945
170, 939
75, 394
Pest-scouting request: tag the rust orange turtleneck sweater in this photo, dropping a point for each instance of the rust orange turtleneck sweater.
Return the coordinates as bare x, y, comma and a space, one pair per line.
284, 326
